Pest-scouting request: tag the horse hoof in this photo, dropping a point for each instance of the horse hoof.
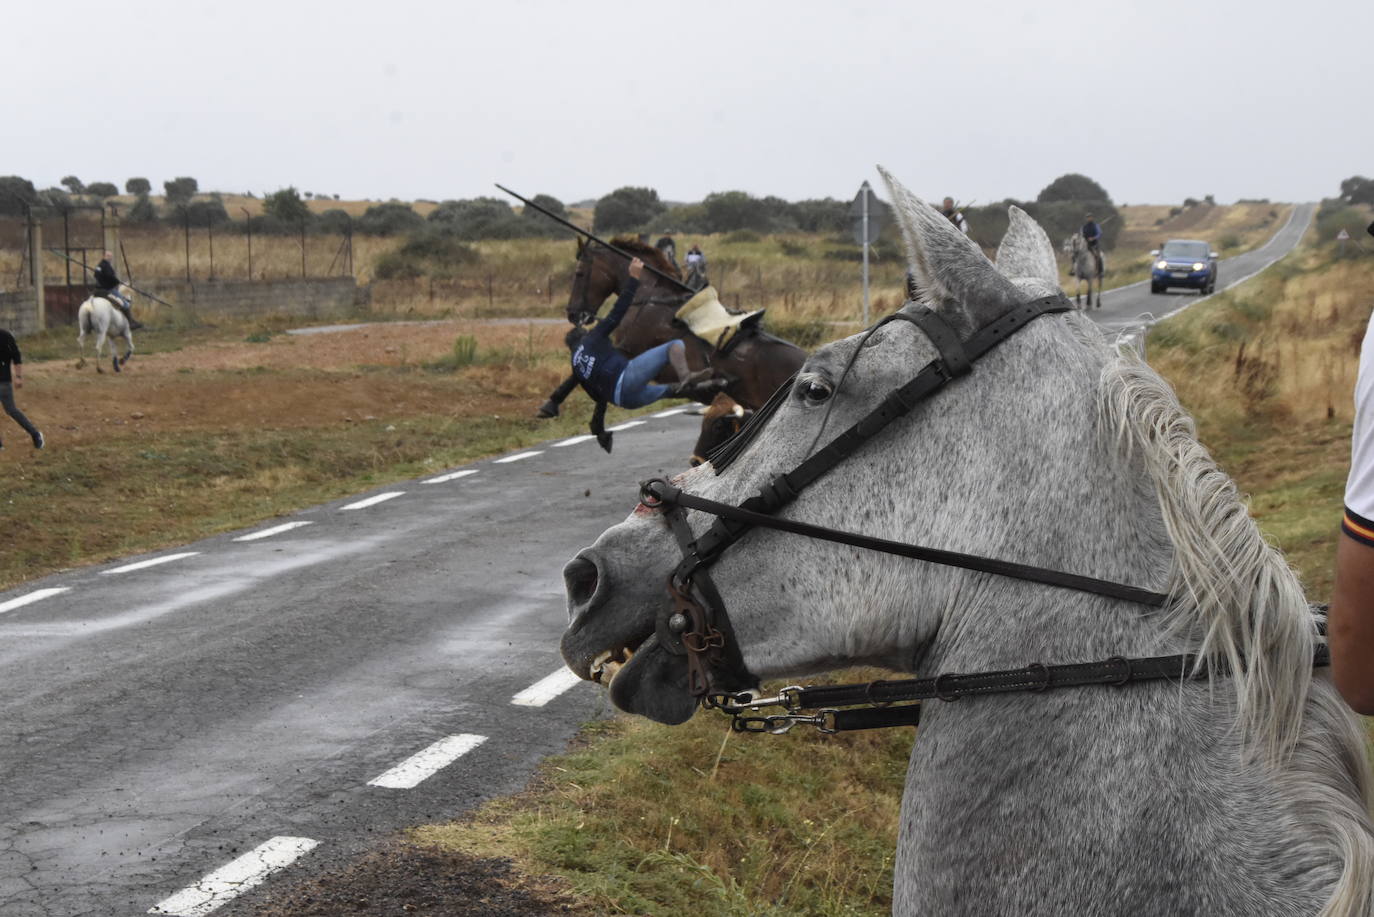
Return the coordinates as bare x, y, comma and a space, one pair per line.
547, 410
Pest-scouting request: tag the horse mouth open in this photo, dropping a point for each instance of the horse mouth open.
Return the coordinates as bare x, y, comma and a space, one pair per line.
611, 640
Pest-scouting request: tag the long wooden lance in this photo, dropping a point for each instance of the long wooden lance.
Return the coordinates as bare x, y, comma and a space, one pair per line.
58, 251
578, 229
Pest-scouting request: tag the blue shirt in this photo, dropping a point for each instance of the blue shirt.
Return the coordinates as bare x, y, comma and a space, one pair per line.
596, 361
1091, 231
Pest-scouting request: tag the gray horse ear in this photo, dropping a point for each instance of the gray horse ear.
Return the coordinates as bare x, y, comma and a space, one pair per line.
1026, 256
951, 272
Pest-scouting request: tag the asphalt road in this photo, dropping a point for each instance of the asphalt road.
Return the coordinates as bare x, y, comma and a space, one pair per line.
175, 728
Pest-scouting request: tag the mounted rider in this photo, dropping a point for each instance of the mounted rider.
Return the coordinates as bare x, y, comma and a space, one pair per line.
609, 376
696, 268
1092, 235
954, 215
108, 282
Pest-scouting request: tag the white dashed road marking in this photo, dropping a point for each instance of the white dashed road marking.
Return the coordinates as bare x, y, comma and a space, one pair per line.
515, 458
274, 530
625, 426
35, 596
546, 689
670, 412
144, 564
373, 501
451, 476
424, 764
224, 884
574, 441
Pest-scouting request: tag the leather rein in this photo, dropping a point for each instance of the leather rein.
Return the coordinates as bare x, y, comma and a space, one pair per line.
698, 627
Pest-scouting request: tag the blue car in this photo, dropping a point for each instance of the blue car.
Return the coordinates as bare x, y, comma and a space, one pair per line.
1184, 263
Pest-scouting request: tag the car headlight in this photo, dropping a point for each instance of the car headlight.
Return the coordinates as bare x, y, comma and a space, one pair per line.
1162, 265
1198, 265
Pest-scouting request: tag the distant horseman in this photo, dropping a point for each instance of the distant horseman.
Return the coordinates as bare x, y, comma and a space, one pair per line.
1092, 235
954, 215
108, 282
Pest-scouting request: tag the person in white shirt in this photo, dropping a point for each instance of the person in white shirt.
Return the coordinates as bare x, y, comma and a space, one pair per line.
1350, 621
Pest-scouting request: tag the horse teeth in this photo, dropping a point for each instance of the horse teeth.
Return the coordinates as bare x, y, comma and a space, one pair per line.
608, 663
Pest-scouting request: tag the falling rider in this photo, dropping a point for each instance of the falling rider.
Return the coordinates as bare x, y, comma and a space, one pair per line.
609, 376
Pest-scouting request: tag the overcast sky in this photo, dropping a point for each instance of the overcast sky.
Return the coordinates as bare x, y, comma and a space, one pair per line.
979, 100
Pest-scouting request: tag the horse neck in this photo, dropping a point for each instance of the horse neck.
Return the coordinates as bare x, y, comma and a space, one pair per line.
1037, 782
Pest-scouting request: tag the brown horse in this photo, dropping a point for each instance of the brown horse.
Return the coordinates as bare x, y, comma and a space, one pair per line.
723, 419
754, 364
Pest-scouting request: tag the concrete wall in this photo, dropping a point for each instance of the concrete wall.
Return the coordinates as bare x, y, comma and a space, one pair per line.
18, 312
308, 297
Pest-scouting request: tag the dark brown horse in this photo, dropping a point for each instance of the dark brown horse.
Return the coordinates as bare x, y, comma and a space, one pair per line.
755, 363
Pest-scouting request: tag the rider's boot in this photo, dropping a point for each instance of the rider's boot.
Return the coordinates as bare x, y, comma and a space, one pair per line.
134, 324
686, 380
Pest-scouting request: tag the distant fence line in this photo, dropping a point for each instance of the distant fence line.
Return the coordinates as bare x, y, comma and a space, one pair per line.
310, 297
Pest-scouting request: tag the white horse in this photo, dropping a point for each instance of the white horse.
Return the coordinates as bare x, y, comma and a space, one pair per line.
1085, 269
1240, 794
99, 315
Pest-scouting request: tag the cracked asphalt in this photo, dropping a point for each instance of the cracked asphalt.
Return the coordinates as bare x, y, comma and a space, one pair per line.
158, 724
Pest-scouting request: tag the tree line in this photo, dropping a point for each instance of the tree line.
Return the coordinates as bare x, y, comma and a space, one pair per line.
1060, 207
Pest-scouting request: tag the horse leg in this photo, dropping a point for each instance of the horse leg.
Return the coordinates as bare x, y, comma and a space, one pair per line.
100, 336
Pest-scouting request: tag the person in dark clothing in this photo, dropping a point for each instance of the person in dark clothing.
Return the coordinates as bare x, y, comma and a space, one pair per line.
108, 281
12, 377
610, 376
1092, 234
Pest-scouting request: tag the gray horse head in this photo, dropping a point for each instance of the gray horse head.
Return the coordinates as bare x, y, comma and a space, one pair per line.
1238, 795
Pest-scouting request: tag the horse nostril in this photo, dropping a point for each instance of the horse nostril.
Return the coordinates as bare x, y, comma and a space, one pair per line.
580, 577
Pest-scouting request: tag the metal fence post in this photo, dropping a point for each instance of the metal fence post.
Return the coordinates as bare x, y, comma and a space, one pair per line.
248, 230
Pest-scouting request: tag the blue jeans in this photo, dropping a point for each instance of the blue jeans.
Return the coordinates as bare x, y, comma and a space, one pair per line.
636, 386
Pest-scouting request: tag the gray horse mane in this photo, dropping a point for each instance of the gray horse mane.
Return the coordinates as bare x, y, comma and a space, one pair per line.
1236, 597
1231, 588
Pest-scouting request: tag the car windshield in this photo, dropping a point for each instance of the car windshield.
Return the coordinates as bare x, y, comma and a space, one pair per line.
1186, 251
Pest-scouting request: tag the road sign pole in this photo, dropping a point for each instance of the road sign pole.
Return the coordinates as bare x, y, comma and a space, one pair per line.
863, 193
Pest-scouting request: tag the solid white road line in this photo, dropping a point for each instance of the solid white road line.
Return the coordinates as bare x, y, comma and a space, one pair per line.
574, 441
546, 689
35, 596
451, 476
424, 764
234, 878
274, 530
373, 501
515, 458
625, 426
671, 411
144, 564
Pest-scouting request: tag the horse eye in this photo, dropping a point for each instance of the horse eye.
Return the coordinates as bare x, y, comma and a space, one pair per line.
814, 391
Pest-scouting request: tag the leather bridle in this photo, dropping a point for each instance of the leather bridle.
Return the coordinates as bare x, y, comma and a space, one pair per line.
698, 627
